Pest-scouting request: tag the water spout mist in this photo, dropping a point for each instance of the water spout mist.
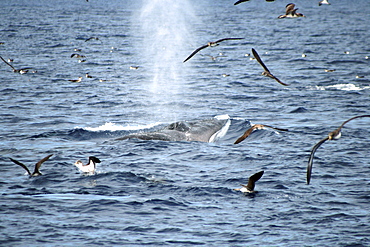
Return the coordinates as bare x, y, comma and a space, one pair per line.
165, 30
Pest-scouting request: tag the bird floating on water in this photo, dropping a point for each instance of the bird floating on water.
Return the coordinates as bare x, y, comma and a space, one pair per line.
89, 167
213, 58
209, 44
20, 71
254, 127
36, 172
78, 80
267, 72
334, 135
291, 12
329, 70
77, 55
249, 188
324, 2
242, 1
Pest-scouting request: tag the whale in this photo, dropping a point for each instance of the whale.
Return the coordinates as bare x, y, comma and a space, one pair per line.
206, 130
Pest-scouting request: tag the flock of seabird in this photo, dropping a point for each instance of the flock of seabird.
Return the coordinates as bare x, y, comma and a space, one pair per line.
291, 12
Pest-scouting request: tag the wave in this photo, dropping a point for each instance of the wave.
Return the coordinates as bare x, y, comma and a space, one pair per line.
342, 86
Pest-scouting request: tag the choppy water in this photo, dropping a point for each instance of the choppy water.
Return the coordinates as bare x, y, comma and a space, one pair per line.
181, 193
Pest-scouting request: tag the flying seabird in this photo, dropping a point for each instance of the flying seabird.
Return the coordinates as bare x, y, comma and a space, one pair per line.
96, 38
20, 71
242, 1
89, 167
267, 71
249, 188
36, 172
251, 129
209, 44
78, 80
290, 12
324, 2
334, 135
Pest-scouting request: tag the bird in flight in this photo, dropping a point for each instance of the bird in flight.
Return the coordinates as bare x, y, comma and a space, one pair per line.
242, 1
36, 172
334, 135
251, 129
209, 44
291, 12
20, 71
267, 72
249, 188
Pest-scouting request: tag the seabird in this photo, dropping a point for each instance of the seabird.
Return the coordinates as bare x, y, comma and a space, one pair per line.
334, 135
329, 70
77, 55
213, 58
209, 44
267, 72
134, 67
88, 76
96, 38
20, 71
251, 129
242, 1
36, 172
324, 2
249, 188
78, 80
89, 167
290, 12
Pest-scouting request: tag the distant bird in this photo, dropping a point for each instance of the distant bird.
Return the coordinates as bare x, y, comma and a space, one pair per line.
290, 12
249, 188
254, 127
89, 167
324, 2
267, 72
77, 55
209, 44
20, 71
329, 70
213, 58
10, 60
88, 76
78, 80
134, 67
96, 38
36, 172
242, 1
334, 135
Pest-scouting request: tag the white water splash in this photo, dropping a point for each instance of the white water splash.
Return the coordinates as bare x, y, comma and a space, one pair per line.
114, 127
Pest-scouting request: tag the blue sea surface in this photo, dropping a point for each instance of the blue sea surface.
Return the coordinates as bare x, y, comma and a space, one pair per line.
161, 193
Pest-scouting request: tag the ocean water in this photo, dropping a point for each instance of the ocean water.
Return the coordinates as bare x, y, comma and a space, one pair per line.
181, 193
